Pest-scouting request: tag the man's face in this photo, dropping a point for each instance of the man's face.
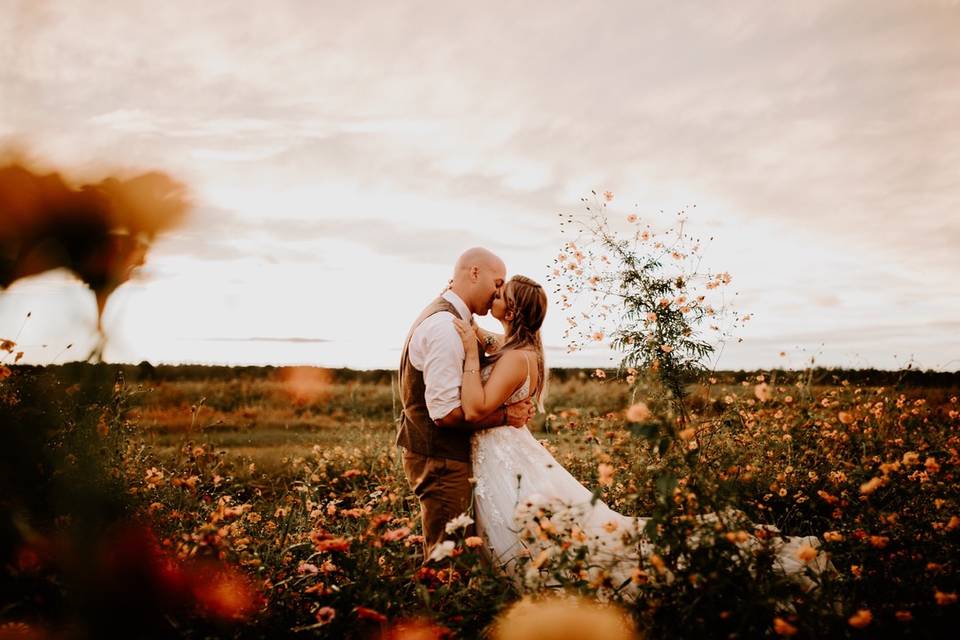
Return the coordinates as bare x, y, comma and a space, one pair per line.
490, 284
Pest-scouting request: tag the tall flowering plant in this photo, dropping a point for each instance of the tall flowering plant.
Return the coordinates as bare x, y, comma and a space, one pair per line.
639, 284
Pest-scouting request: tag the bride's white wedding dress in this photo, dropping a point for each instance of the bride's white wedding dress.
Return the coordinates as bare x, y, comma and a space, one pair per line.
521, 490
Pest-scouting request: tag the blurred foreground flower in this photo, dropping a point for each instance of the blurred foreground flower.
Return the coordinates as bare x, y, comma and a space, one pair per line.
20, 631
605, 474
762, 392
861, 619
305, 385
225, 593
639, 412
415, 630
783, 628
100, 232
561, 618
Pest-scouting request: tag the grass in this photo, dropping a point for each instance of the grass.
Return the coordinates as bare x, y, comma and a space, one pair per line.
261, 502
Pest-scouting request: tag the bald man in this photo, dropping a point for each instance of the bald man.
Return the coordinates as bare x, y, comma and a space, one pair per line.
432, 431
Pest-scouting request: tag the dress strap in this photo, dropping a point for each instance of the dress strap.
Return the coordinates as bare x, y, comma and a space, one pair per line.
527, 358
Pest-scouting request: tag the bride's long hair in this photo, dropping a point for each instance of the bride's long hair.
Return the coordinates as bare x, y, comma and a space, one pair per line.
528, 302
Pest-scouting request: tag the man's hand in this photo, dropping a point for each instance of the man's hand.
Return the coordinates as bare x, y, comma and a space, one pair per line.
519, 414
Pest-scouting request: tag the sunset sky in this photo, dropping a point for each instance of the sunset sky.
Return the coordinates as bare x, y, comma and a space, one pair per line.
342, 154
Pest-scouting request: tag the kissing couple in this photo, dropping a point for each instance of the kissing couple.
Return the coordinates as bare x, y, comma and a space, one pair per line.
467, 395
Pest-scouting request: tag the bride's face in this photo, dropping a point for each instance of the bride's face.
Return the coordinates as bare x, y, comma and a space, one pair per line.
501, 308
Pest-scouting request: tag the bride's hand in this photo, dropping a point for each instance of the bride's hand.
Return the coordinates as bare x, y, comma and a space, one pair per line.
468, 335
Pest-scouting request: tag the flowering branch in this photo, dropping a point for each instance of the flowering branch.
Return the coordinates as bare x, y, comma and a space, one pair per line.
645, 290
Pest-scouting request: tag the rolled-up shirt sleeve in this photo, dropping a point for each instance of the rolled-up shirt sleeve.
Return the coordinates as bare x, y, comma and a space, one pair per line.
439, 346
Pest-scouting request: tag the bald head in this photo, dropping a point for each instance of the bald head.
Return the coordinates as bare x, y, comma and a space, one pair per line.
477, 277
477, 257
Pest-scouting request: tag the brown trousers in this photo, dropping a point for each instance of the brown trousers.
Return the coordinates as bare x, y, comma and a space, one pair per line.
444, 490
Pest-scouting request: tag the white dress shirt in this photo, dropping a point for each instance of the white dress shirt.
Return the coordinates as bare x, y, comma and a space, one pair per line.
437, 350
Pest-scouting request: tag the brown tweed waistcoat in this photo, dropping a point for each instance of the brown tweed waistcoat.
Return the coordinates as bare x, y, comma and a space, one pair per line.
416, 431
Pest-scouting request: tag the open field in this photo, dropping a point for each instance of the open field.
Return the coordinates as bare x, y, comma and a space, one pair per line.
252, 502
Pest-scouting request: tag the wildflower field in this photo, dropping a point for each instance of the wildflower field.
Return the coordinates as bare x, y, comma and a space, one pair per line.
264, 502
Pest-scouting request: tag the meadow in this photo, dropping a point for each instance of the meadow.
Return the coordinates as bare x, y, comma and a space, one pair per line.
260, 502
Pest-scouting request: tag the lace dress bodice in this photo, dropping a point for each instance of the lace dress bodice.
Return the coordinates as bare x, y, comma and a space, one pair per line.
520, 394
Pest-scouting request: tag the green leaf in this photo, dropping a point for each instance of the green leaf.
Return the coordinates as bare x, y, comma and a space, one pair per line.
665, 484
663, 445
645, 430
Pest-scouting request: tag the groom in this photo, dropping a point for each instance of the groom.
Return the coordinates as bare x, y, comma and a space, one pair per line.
432, 430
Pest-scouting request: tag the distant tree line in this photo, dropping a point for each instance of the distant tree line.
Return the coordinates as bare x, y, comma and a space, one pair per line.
818, 376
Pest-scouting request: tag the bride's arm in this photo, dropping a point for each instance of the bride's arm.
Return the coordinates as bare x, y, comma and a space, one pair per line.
477, 399
491, 341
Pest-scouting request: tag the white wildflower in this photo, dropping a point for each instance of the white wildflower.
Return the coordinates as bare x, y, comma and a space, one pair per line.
462, 521
442, 550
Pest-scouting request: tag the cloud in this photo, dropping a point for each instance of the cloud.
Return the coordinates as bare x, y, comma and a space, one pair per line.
215, 234
866, 333
266, 339
415, 129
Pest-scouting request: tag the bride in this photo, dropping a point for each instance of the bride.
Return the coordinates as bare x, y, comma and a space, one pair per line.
520, 485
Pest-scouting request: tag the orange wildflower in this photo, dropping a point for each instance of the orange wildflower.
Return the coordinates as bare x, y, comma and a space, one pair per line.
331, 545
806, 553
870, 486
365, 613
415, 630
658, 563
860, 619
325, 615
541, 559
879, 542
911, 458
783, 628
395, 535
737, 536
